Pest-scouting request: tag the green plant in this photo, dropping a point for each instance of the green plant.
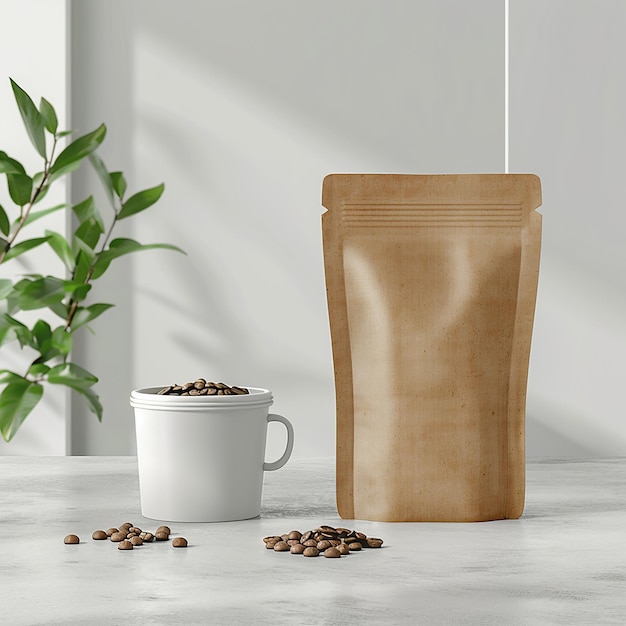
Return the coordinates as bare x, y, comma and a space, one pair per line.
86, 253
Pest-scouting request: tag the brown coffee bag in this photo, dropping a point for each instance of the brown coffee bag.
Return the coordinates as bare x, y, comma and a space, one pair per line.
431, 285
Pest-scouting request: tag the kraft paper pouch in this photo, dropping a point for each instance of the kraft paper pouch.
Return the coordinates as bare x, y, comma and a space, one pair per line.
431, 285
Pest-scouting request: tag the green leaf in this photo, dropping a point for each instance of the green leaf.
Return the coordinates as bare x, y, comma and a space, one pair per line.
32, 118
40, 293
120, 247
84, 259
60, 309
87, 210
5, 225
6, 287
38, 368
88, 233
92, 400
20, 188
33, 216
6, 376
58, 344
119, 184
24, 246
140, 201
49, 115
4, 245
9, 165
78, 150
71, 375
17, 400
103, 174
62, 171
84, 315
11, 329
77, 290
58, 243
41, 332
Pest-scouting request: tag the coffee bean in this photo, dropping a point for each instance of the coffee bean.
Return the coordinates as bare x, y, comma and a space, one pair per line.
200, 383
147, 537
297, 548
111, 531
194, 392
164, 529
99, 535
310, 543
295, 534
343, 549
323, 545
281, 546
164, 391
161, 536
118, 536
310, 551
71, 539
374, 542
332, 553
179, 542
355, 546
273, 538
125, 545
136, 540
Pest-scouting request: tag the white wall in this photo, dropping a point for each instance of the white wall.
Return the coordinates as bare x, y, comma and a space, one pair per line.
568, 125
242, 108
33, 37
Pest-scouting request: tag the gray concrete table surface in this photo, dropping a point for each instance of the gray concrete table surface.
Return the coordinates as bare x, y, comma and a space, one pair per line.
563, 562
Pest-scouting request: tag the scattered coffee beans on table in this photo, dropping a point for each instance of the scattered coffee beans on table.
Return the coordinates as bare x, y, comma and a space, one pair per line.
333, 543
129, 536
201, 387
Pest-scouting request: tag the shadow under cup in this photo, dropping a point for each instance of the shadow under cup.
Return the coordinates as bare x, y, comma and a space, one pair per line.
202, 458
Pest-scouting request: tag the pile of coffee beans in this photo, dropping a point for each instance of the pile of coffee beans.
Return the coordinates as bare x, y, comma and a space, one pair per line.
201, 387
129, 536
331, 542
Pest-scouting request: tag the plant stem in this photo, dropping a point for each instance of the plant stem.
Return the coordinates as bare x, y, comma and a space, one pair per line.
24, 212
73, 304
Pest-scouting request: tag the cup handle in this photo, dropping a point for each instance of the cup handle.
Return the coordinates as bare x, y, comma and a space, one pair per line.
273, 417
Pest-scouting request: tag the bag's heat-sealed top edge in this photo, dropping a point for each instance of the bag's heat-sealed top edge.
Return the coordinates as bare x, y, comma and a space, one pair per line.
435, 191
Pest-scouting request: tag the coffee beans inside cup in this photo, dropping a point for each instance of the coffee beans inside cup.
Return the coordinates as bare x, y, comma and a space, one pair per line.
202, 387
332, 542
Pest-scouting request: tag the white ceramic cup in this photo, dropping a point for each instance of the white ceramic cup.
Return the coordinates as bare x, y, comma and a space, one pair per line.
202, 458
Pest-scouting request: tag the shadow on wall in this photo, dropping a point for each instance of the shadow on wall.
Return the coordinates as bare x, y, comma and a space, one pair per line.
558, 431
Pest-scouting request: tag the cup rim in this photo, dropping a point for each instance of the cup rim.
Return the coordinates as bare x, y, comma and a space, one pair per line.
147, 397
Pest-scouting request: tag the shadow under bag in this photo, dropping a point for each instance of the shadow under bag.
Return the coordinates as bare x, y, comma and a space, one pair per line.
431, 283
